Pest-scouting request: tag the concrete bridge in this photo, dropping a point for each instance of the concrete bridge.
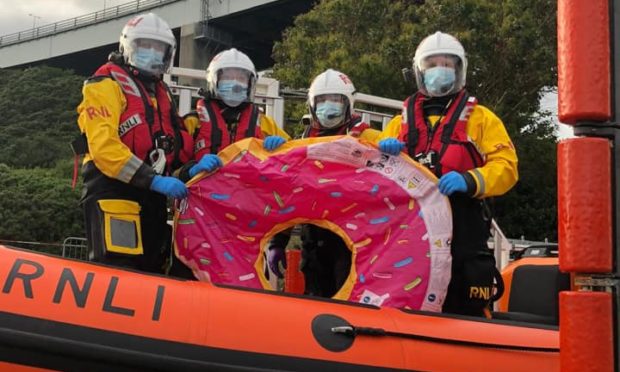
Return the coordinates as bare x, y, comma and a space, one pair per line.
202, 28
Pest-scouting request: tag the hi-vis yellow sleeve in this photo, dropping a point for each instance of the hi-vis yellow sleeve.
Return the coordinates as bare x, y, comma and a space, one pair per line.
392, 129
269, 128
371, 135
99, 114
500, 172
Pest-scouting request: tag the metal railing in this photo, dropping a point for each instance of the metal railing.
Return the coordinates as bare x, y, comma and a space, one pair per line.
75, 247
82, 21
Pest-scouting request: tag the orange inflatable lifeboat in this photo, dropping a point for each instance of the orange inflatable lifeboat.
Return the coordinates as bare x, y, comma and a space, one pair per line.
62, 314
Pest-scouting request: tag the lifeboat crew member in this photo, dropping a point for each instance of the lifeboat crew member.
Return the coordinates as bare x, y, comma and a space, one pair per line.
326, 260
225, 115
133, 140
467, 147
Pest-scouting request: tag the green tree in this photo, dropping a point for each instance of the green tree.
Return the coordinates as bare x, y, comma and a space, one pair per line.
37, 205
511, 48
38, 119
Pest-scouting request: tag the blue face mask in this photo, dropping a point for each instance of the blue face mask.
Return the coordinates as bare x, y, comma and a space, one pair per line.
330, 114
439, 80
232, 92
149, 60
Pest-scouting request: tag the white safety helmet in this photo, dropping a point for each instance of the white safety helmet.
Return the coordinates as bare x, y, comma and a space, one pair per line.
148, 29
231, 58
440, 43
332, 82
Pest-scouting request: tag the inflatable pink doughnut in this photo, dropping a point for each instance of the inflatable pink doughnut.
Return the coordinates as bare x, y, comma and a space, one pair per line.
387, 209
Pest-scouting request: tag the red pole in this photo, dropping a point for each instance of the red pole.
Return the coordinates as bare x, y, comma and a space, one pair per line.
588, 181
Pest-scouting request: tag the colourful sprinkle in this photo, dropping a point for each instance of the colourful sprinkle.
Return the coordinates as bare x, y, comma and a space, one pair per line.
346, 209
413, 284
287, 210
228, 256
360, 170
325, 213
278, 199
387, 202
217, 196
360, 215
199, 211
267, 209
374, 258
298, 189
386, 238
438, 243
252, 223
185, 243
403, 262
382, 275
403, 241
376, 221
205, 261
313, 205
375, 189
351, 226
187, 221
246, 277
411, 204
326, 180
246, 238
284, 168
428, 254
231, 217
232, 175
420, 214
362, 278
335, 194
404, 227
205, 245
362, 243
263, 178
319, 164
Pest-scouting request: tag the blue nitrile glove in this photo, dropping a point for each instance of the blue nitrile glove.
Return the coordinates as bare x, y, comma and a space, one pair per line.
391, 146
273, 142
452, 182
275, 256
208, 163
169, 186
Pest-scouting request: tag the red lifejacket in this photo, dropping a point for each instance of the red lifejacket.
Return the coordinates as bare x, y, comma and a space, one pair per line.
354, 127
143, 127
447, 140
214, 135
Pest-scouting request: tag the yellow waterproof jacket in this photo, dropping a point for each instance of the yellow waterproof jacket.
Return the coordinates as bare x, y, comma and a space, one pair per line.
487, 132
99, 115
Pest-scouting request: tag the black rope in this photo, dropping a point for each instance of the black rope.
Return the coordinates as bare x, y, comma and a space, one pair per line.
368, 331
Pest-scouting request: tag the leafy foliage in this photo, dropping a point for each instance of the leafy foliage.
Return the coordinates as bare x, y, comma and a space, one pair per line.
37, 205
511, 48
38, 115
38, 121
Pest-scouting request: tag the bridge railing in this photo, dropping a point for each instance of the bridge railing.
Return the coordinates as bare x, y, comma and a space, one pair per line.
107, 14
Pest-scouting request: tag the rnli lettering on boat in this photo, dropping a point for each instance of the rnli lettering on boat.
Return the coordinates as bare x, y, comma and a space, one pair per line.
29, 279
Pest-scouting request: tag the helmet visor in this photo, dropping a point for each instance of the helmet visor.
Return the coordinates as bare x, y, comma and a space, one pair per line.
237, 74
149, 55
439, 60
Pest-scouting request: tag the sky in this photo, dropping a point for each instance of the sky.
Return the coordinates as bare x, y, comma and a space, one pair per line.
15, 14
20, 15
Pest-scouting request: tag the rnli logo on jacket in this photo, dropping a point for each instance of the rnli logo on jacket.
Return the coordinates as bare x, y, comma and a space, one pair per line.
128, 124
199, 145
203, 114
94, 112
127, 85
480, 293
